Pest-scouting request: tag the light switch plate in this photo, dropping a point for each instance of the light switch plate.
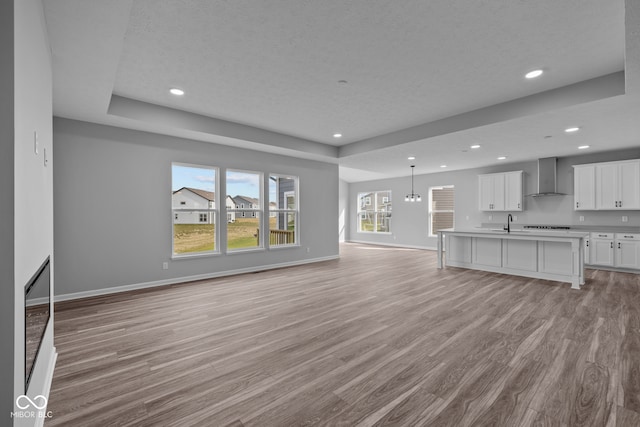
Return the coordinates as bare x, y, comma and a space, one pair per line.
625, 218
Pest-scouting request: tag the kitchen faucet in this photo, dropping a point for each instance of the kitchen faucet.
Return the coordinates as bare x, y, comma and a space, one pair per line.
509, 220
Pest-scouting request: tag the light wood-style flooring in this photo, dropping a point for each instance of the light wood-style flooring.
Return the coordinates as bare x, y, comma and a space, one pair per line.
378, 337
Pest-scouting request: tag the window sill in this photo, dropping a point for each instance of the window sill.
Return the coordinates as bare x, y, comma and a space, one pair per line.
375, 232
244, 251
280, 247
194, 256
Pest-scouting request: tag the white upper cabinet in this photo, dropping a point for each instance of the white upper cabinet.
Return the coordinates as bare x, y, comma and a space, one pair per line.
584, 187
607, 186
500, 191
513, 191
618, 185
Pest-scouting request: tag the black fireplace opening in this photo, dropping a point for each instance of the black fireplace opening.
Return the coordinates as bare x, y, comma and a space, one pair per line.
37, 311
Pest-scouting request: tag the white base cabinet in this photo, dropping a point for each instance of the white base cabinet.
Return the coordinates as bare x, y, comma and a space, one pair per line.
601, 251
627, 250
621, 250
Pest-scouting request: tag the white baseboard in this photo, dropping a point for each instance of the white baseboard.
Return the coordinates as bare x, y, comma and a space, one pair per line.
164, 282
393, 245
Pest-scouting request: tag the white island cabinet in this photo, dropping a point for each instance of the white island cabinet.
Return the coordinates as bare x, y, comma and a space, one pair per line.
539, 254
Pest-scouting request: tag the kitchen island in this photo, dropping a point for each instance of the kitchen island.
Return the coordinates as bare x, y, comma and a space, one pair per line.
550, 255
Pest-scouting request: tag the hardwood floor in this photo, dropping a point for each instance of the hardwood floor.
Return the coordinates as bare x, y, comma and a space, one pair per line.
378, 337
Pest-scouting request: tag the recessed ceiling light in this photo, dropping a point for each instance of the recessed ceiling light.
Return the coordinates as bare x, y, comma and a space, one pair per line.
475, 146
411, 158
443, 166
583, 147
573, 129
502, 157
176, 91
337, 135
533, 74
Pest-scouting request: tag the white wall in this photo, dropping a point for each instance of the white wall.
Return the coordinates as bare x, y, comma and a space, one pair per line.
409, 220
33, 186
113, 208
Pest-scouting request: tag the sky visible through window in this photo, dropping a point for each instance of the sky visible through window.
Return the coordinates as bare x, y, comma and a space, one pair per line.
238, 183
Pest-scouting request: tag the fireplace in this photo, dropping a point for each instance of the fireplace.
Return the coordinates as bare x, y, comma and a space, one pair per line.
37, 311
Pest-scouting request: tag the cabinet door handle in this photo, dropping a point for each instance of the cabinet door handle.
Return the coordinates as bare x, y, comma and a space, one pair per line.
620, 203
518, 205
628, 237
619, 245
577, 204
611, 245
587, 242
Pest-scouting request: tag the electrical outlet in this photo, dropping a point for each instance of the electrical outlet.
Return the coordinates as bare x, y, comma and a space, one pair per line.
490, 217
165, 265
308, 250
625, 218
467, 217
581, 218
515, 217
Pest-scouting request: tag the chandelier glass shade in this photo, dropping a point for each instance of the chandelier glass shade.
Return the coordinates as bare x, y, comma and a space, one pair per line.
412, 197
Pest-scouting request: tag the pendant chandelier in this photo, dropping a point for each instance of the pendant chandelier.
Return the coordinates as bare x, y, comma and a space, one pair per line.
413, 197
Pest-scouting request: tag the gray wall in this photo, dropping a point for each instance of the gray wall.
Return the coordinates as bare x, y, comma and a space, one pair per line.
113, 217
7, 148
409, 221
343, 211
28, 191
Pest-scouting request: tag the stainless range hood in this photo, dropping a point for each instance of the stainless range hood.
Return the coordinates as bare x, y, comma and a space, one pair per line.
547, 177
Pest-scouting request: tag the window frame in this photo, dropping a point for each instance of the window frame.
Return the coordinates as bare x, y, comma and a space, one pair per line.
368, 197
295, 211
211, 212
252, 212
432, 211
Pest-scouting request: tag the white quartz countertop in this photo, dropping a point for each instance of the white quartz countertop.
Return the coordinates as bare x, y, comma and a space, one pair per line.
528, 234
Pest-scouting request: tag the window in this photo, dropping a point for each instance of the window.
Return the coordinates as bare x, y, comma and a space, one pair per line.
374, 212
283, 210
244, 230
194, 209
441, 208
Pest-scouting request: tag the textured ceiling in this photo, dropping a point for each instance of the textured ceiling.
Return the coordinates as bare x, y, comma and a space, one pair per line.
426, 78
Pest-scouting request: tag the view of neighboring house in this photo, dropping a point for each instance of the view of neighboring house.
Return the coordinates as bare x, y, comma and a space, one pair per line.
231, 205
244, 202
193, 198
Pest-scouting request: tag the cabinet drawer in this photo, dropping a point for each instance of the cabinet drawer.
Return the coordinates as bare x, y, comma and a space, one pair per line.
627, 236
602, 236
